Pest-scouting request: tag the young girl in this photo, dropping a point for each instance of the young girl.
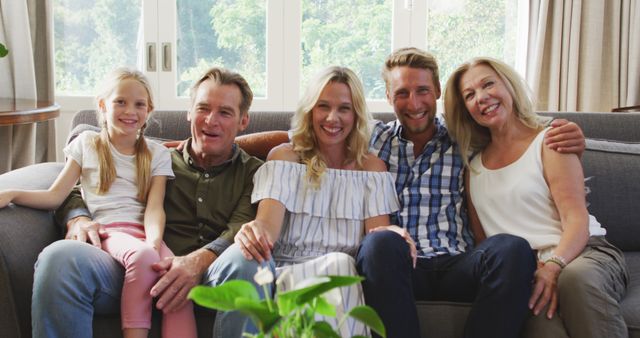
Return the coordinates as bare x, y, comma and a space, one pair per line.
123, 179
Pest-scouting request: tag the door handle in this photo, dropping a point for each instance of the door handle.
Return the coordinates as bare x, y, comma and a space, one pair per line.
166, 57
151, 57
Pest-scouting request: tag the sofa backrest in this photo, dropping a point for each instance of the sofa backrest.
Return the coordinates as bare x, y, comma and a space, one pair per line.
607, 126
173, 124
611, 166
612, 171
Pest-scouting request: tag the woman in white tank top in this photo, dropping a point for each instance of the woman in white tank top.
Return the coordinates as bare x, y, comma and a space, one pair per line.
516, 185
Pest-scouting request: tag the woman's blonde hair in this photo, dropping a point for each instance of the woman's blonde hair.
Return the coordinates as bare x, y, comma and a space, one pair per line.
469, 135
304, 140
101, 142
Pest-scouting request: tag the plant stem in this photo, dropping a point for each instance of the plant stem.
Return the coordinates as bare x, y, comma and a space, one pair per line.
341, 322
268, 297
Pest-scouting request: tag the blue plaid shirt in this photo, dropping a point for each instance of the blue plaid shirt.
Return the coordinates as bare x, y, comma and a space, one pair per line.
429, 188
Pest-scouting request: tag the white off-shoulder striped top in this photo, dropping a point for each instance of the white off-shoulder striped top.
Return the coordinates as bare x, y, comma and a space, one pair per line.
329, 218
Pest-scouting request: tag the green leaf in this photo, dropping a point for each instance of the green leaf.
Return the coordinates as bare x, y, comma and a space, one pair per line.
324, 308
223, 297
259, 312
369, 317
322, 329
3, 51
287, 301
334, 282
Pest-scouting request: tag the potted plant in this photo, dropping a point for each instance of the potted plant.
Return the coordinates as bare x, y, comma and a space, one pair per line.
292, 313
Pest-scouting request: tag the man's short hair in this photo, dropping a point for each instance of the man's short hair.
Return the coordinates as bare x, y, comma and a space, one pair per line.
413, 58
221, 77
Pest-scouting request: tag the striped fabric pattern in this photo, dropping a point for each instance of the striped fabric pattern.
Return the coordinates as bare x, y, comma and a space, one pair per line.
333, 263
327, 219
323, 226
429, 187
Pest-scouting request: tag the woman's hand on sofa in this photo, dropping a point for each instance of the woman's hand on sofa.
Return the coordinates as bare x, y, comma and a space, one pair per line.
84, 229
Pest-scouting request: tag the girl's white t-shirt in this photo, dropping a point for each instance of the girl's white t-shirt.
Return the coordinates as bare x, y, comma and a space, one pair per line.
120, 203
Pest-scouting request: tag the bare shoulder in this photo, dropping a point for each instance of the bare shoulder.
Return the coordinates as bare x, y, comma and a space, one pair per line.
283, 152
373, 163
560, 165
552, 157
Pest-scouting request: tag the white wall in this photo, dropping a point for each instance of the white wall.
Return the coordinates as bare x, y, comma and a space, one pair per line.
68, 107
63, 127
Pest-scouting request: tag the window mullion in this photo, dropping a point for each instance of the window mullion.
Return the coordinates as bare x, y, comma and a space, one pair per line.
291, 35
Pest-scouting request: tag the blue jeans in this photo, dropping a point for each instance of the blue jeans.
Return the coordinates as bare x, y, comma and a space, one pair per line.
74, 280
495, 276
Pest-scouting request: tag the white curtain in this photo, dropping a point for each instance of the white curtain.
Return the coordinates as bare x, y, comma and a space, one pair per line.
584, 55
26, 28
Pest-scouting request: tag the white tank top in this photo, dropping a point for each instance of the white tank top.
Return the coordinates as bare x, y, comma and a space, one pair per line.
516, 200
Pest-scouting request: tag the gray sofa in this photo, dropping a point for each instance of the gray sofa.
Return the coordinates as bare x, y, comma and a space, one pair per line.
614, 168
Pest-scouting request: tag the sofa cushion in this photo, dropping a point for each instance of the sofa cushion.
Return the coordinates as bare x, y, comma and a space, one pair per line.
24, 232
612, 200
631, 301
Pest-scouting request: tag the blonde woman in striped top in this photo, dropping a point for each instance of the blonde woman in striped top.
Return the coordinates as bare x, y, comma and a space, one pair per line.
321, 193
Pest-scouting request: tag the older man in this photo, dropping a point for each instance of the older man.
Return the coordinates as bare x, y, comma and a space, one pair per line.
205, 205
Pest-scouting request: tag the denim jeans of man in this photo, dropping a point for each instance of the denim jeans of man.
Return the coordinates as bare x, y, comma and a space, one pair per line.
74, 280
495, 276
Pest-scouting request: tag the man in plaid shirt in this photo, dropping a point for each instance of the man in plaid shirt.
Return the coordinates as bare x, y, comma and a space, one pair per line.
495, 275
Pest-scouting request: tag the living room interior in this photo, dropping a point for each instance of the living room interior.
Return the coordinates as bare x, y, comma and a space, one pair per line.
581, 60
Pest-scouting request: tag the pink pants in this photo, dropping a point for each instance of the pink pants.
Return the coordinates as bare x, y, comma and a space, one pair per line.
126, 243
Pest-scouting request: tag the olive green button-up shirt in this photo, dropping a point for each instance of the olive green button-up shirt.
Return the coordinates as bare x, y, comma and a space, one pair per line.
204, 208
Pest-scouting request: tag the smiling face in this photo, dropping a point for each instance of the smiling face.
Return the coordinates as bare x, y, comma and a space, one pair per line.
413, 95
126, 109
332, 116
486, 96
215, 120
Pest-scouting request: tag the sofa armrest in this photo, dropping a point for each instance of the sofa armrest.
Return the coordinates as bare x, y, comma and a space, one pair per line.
24, 232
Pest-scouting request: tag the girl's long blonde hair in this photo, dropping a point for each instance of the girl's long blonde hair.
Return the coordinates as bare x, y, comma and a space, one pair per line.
101, 142
304, 140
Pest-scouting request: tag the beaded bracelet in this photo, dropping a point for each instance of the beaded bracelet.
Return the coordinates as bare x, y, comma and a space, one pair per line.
558, 260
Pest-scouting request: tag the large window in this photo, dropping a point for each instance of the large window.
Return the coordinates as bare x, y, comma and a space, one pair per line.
226, 33
91, 38
458, 30
276, 44
355, 34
